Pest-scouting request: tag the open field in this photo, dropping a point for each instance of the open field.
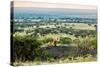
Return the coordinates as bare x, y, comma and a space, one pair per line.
79, 26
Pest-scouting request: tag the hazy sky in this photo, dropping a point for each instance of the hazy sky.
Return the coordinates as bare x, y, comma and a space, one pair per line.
52, 5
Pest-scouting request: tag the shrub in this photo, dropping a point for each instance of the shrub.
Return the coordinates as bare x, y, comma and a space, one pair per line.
25, 47
94, 43
87, 46
46, 40
65, 40
76, 41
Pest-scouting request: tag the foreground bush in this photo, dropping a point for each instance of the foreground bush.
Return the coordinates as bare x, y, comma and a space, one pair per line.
24, 47
87, 46
28, 48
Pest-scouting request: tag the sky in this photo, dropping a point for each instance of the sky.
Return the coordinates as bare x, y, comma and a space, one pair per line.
56, 9
52, 5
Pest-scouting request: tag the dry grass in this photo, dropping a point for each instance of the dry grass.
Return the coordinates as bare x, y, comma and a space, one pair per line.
60, 61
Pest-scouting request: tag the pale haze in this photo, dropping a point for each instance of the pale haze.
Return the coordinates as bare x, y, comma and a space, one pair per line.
52, 5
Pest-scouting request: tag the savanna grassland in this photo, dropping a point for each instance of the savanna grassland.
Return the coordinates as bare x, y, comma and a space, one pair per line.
53, 42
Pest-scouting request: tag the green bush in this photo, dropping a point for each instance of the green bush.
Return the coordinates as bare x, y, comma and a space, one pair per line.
25, 47
46, 40
65, 40
94, 43
76, 41
89, 42
87, 46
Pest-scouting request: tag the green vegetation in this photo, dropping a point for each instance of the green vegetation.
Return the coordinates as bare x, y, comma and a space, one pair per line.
53, 61
43, 43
